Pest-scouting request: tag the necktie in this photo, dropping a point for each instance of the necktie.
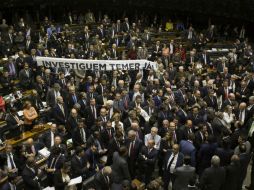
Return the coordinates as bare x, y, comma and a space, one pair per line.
74, 98
62, 109
11, 161
125, 103
82, 134
109, 133
170, 162
131, 150
94, 112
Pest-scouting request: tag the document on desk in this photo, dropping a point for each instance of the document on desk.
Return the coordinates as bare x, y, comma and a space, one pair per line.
44, 152
75, 181
49, 188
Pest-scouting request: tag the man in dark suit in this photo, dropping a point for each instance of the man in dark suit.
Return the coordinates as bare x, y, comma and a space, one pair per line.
72, 98
213, 177
14, 122
11, 161
147, 159
91, 112
173, 160
54, 162
26, 77
204, 58
102, 179
11, 67
232, 180
134, 146
59, 112
211, 100
120, 171
183, 175
72, 122
52, 95
79, 164
101, 87
79, 135
48, 138
7, 82
36, 101
107, 134
30, 175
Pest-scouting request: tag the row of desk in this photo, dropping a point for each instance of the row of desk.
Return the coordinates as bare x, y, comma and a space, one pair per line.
29, 134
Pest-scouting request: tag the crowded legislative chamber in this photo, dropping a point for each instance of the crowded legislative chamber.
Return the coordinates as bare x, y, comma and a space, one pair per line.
126, 95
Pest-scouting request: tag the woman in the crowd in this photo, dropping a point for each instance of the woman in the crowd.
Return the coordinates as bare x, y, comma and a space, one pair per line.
30, 115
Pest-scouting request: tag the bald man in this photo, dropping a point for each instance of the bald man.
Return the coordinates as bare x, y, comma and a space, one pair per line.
72, 97
153, 136
60, 113
242, 114
213, 177
134, 146
173, 160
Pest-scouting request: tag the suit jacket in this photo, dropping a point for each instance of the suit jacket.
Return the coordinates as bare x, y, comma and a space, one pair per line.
72, 124
51, 99
213, 178
71, 100
102, 182
182, 116
232, 177
188, 149
78, 166
211, 102
83, 104
179, 161
55, 162
113, 146
100, 88
29, 179
120, 169
36, 102
137, 148
24, 78
58, 181
183, 175
11, 121
3, 160
77, 138
106, 136
59, 116
151, 156
89, 116
46, 139
225, 155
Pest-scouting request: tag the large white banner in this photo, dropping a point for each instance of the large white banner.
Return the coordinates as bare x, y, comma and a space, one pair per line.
99, 65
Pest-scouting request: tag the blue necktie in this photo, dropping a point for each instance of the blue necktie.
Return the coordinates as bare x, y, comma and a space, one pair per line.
74, 98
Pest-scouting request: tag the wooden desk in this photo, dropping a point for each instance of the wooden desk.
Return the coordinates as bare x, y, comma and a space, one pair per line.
26, 136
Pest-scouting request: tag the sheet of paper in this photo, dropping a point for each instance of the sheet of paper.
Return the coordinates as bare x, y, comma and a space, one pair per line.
75, 181
20, 113
44, 152
49, 188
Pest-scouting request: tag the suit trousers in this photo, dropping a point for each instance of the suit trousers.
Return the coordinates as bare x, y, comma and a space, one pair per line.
167, 177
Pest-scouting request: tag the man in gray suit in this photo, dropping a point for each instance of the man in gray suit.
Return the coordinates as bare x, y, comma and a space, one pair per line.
183, 175
120, 171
